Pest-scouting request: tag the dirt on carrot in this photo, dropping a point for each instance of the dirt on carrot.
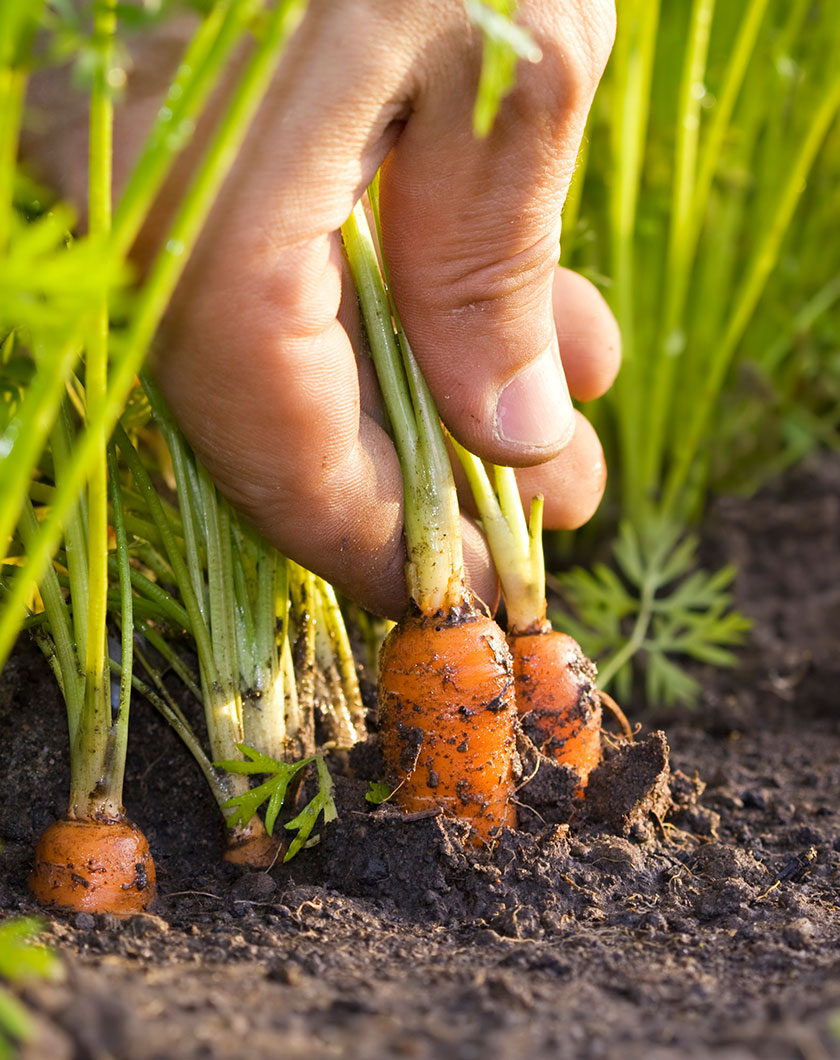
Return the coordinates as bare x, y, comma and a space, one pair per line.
93, 866
448, 718
557, 699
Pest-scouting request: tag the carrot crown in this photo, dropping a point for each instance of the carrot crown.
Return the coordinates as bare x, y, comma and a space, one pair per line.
435, 568
516, 547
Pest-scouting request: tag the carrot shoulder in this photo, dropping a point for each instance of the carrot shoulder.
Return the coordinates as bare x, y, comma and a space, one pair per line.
94, 867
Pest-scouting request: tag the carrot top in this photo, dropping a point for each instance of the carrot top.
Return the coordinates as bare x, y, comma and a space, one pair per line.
435, 568
516, 547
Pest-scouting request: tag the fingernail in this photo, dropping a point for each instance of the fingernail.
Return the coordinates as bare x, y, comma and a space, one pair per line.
534, 410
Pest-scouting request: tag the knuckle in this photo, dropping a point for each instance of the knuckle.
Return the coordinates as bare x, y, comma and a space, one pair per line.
520, 278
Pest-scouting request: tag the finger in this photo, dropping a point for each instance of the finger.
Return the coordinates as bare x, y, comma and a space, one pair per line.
471, 231
254, 360
588, 335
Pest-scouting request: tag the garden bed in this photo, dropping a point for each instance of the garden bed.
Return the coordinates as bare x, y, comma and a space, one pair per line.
712, 929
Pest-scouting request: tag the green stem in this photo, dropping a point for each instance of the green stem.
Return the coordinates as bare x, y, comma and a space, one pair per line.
516, 547
173, 660
434, 571
166, 706
671, 341
749, 292
199, 72
61, 628
632, 71
23, 440
90, 774
118, 736
637, 637
343, 655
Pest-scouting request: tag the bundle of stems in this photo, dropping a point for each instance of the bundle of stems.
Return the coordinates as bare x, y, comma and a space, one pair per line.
94, 858
57, 307
268, 636
700, 202
708, 183
446, 704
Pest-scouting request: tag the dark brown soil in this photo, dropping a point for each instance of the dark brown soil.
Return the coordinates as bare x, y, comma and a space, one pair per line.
694, 912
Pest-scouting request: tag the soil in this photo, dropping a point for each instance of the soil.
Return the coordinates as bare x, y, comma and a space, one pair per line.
693, 911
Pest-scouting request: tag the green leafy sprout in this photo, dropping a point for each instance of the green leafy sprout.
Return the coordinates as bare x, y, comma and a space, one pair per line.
274, 790
655, 604
378, 792
21, 958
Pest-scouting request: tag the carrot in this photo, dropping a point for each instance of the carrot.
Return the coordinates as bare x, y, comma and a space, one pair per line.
448, 718
446, 706
555, 688
94, 866
555, 682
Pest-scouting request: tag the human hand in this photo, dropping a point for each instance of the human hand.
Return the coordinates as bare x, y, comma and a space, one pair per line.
260, 356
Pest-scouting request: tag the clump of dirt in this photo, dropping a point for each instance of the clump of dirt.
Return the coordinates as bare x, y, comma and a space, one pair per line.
690, 907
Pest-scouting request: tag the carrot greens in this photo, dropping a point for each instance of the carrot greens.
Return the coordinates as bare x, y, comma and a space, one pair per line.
697, 205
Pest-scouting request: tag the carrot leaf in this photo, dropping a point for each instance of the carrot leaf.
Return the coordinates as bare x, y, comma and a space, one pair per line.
655, 609
322, 804
378, 792
273, 792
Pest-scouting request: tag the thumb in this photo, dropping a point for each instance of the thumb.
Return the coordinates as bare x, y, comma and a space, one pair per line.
472, 230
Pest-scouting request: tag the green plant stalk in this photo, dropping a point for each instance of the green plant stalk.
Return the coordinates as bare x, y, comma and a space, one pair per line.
89, 771
165, 604
632, 72
611, 667
75, 531
302, 597
24, 439
199, 72
173, 660
814, 308
749, 292
72, 681
155, 295
166, 706
571, 207
118, 733
263, 677
221, 713
671, 342
715, 137
516, 547
335, 706
227, 731
18, 20
342, 654
435, 569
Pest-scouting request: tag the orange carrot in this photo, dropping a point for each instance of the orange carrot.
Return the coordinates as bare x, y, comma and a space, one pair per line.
448, 717
447, 712
94, 866
555, 688
555, 682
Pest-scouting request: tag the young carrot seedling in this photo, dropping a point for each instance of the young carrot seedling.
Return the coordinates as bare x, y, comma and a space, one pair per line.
445, 678
93, 858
